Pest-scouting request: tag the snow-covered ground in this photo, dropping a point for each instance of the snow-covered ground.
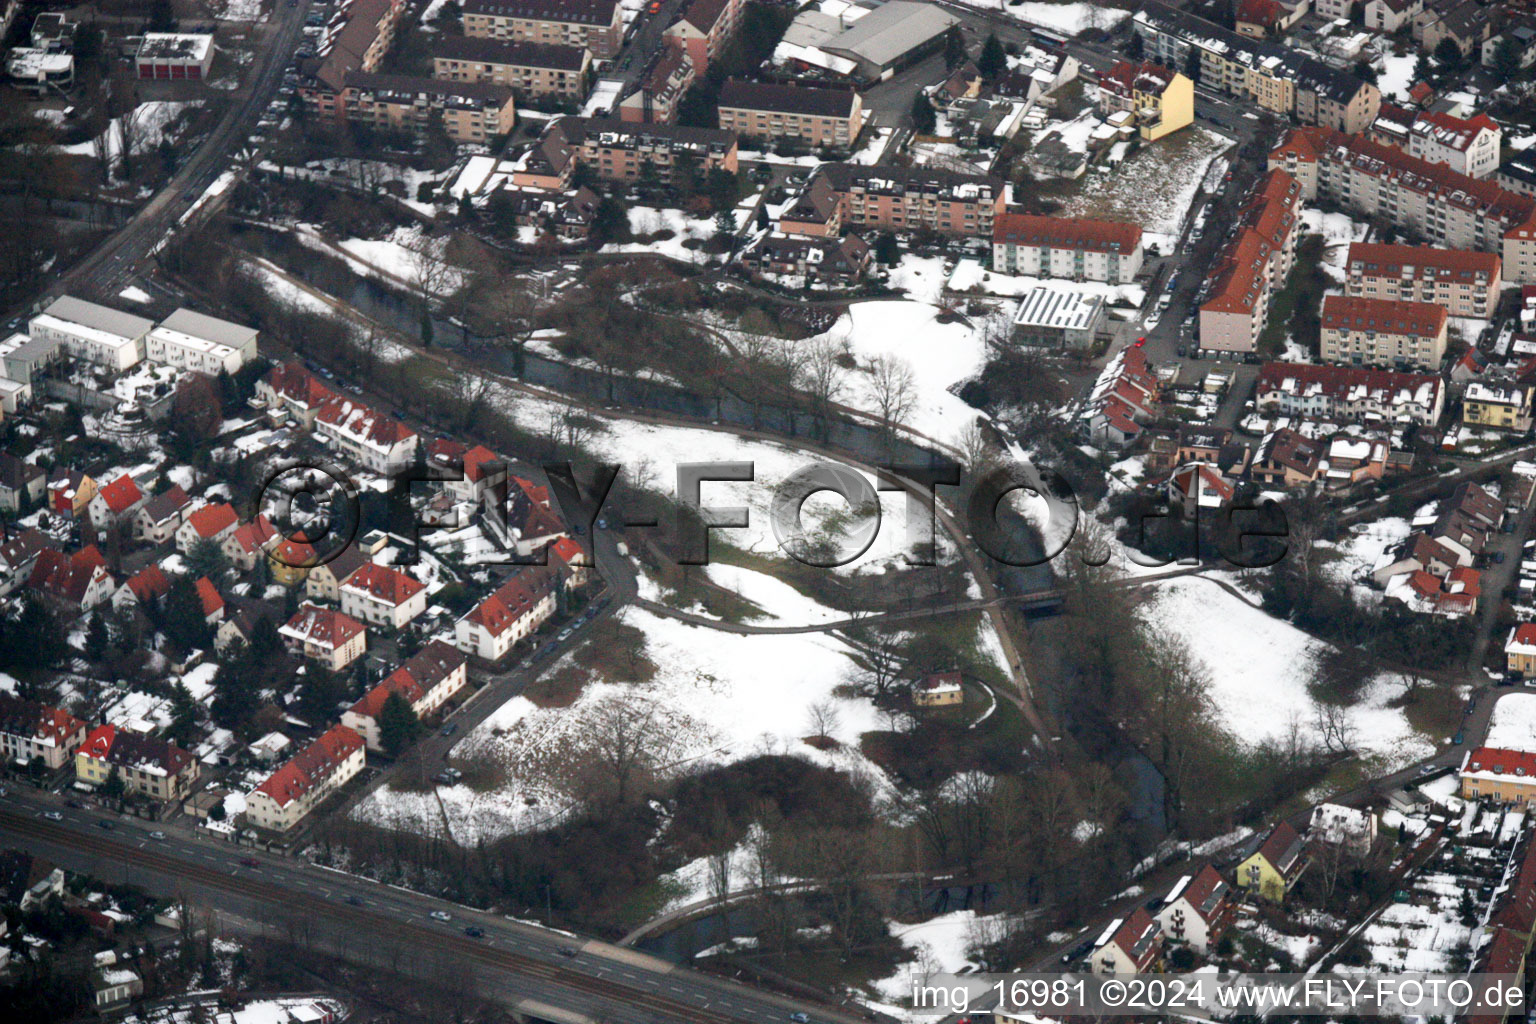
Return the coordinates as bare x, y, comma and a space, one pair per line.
1362, 550
1513, 724
1396, 76
1070, 18
1155, 188
407, 257
647, 220
1259, 668
972, 275
239, 10
721, 696
940, 945
151, 123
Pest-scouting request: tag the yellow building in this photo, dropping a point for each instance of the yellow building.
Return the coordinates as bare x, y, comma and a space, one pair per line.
942, 689
1499, 408
291, 560
1520, 650
1162, 100
146, 765
1275, 866
1505, 776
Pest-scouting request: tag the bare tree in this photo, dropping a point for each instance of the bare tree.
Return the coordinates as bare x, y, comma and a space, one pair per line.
877, 655
627, 740
470, 391
820, 375
428, 272
824, 719
894, 390
1335, 727
508, 310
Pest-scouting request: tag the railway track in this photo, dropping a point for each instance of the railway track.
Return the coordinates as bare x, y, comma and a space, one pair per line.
373, 923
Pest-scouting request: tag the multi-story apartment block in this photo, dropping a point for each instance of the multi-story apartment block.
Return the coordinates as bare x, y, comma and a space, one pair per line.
617, 151
1381, 332
302, 784
1467, 23
378, 442
916, 198
332, 638
1272, 76
660, 90
817, 117
359, 45
1083, 250
1252, 267
528, 69
595, 25
426, 681
1162, 99
1348, 393
1449, 209
96, 334
1497, 406
206, 344
1468, 146
31, 730
704, 28
1465, 283
465, 111
147, 765
517, 608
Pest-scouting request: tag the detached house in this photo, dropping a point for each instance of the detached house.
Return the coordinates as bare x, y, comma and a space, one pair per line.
115, 501
1497, 774
1274, 867
426, 681
147, 765
1520, 649
1130, 945
329, 637
250, 542
1198, 910
378, 442
17, 557
517, 608
70, 492
299, 786
21, 483
294, 390
211, 523
382, 595
74, 584
158, 519
143, 589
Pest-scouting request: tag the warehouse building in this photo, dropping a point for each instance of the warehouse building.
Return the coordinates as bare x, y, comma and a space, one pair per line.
890, 38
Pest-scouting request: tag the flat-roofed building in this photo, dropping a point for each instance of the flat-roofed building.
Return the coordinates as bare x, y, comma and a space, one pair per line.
528, 69
174, 55
596, 25
96, 334
1083, 250
815, 116
206, 344
1380, 332
466, 111
891, 37
916, 198
1466, 283
1058, 316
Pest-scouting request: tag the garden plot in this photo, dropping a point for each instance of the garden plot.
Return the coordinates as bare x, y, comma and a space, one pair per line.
1154, 188
716, 698
1259, 667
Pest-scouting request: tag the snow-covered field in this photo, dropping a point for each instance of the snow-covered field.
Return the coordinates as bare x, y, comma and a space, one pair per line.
971, 275
722, 697
1155, 188
1070, 18
1259, 667
151, 123
1396, 76
1513, 724
407, 257
1362, 550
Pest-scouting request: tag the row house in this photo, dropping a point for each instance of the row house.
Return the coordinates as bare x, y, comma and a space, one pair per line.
1498, 774
1286, 458
251, 542
147, 765
1418, 552
1273, 77
532, 70
1466, 283
1275, 867
516, 609
1252, 266
916, 198
467, 112
830, 118
1198, 910
213, 523
703, 29
817, 212
616, 151
1350, 394
658, 95
365, 36
324, 635
1449, 209
1124, 399
1130, 945
1456, 595
594, 25
1160, 99
92, 333
302, 784
1081, 250
382, 595
30, 730
200, 343
72, 584
1492, 406
1383, 332
158, 519
371, 438
427, 681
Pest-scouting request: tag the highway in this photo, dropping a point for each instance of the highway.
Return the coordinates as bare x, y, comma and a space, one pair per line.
530, 969
107, 269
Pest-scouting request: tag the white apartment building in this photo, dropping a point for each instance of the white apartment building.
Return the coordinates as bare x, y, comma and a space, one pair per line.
206, 344
382, 595
299, 786
376, 441
96, 334
427, 681
1079, 250
1467, 146
517, 608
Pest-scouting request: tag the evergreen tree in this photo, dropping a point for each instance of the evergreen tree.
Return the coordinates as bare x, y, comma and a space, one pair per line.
207, 558
1449, 57
320, 694
398, 725
183, 728
1506, 59
96, 638
762, 218
113, 788
183, 617
954, 49
887, 249
236, 688
610, 222
923, 118
993, 60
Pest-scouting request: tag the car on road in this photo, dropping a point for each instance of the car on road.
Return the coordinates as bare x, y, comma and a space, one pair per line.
564, 634
73, 803
250, 862
450, 728
798, 1017
1180, 350
440, 915
1428, 769
1077, 952
157, 836
354, 901
568, 951
474, 933
53, 816
104, 823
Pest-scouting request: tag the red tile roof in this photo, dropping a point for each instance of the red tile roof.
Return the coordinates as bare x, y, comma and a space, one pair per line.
1347, 313
413, 680
1501, 761
324, 627
298, 385
211, 520
512, 600
384, 583
255, 535
149, 584
208, 594
312, 765
121, 494
130, 750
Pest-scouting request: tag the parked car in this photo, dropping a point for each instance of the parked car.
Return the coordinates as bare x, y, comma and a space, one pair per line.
354, 901
250, 862
450, 728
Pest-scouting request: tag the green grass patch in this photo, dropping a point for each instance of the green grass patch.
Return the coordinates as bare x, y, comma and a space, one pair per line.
1296, 309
